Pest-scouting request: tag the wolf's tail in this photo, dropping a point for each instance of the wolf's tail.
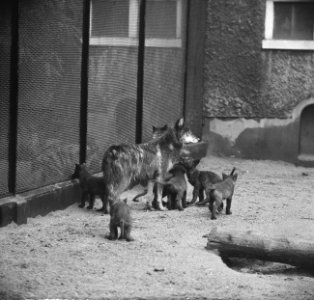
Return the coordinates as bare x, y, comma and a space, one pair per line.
135, 199
111, 165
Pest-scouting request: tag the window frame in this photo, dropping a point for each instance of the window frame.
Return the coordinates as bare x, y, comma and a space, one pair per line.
270, 43
132, 38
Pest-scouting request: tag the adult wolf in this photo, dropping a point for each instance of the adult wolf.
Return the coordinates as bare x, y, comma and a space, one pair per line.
125, 166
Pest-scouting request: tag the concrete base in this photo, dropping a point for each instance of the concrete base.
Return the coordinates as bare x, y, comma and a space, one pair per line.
38, 202
305, 160
253, 139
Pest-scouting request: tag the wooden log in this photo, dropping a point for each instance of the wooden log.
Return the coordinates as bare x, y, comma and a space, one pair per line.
235, 243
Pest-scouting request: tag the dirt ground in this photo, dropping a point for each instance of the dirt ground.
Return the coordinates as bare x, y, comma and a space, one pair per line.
65, 254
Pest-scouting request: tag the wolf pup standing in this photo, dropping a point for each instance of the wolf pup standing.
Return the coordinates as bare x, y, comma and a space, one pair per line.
125, 166
199, 180
120, 216
221, 191
91, 186
175, 188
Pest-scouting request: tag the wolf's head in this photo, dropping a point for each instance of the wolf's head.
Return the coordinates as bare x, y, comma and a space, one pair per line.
189, 164
232, 175
159, 131
79, 170
184, 134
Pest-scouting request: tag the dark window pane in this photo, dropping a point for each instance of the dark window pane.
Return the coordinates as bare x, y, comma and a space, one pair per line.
161, 19
304, 18
282, 28
294, 21
110, 18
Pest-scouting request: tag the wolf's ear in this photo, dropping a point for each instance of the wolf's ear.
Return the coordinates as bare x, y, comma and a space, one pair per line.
235, 177
179, 124
196, 162
154, 128
165, 127
232, 172
114, 153
224, 176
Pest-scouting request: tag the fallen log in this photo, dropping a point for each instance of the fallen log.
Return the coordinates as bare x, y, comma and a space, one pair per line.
248, 244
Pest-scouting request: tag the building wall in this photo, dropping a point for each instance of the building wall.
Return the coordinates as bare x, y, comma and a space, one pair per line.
244, 82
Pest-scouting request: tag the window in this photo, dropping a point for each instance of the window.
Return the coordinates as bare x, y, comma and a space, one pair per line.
289, 25
115, 22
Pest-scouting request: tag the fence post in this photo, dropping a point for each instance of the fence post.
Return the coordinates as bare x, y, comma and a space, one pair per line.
84, 80
140, 73
194, 64
13, 108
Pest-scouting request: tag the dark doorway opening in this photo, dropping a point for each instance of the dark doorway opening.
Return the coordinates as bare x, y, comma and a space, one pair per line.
307, 132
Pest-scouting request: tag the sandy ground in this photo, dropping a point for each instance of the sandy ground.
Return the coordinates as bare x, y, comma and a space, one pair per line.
65, 254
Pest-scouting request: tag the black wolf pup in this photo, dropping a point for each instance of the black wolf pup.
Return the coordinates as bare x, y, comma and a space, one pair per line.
220, 191
199, 179
91, 186
175, 188
125, 166
120, 216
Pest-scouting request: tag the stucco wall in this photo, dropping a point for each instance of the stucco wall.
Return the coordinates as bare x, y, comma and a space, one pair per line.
243, 80
257, 91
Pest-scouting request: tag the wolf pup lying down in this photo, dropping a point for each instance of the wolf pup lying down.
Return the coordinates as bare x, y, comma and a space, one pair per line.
125, 166
91, 186
221, 191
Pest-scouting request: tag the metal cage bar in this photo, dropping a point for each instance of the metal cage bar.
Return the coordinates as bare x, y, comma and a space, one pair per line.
84, 81
14, 71
140, 73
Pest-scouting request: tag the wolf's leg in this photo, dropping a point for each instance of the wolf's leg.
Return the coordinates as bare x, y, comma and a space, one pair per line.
179, 197
169, 203
83, 198
91, 200
184, 200
150, 193
105, 204
127, 231
206, 200
228, 207
195, 194
159, 189
113, 231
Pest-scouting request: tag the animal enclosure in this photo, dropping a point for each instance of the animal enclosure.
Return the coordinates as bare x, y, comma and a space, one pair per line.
79, 76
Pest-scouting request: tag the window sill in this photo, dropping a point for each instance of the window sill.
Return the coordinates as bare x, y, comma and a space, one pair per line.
126, 42
288, 45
